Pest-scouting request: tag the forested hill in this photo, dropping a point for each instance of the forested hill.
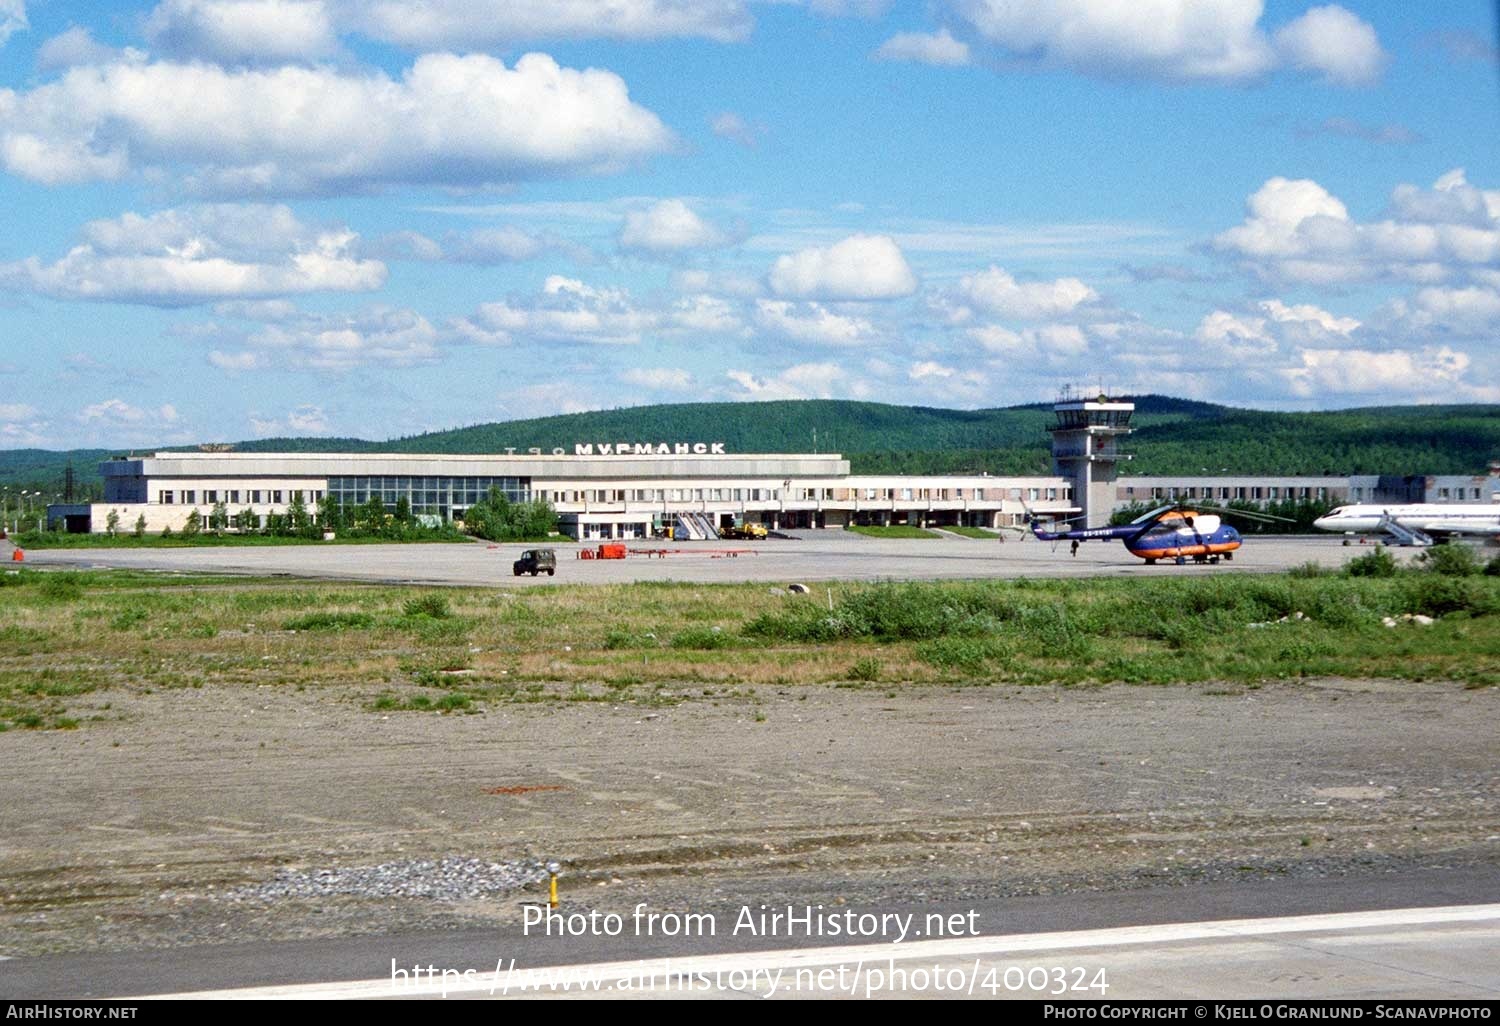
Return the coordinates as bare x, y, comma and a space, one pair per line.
1173, 436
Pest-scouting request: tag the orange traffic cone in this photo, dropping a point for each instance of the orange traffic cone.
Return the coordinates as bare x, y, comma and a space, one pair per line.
17, 556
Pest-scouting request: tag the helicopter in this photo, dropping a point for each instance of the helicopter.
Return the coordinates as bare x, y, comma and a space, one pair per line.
1174, 531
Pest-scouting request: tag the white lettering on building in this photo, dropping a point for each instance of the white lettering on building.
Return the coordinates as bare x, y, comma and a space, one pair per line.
640, 449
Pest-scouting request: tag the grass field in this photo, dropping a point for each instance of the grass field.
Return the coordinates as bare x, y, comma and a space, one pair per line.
893, 531
972, 532
68, 639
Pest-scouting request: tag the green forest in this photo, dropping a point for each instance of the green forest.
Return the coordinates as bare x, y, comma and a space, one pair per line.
1173, 436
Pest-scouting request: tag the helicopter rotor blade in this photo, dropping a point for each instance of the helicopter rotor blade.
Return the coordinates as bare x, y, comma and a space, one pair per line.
1247, 514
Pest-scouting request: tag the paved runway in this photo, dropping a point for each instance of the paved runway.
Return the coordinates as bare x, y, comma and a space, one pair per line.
1417, 934
1419, 953
813, 556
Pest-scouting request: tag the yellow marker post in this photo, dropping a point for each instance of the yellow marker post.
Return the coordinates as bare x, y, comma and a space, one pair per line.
552, 871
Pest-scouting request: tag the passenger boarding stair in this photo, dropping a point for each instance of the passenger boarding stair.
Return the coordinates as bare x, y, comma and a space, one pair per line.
694, 526
1403, 535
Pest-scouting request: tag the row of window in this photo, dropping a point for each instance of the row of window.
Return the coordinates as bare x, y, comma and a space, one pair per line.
434, 495
235, 496
670, 495
1254, 493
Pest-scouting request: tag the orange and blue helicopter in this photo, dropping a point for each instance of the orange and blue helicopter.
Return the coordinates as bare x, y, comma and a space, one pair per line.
1176, 532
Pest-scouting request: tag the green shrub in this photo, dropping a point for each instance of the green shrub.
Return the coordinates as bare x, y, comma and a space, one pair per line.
1492, 568
331, 622
431, 605
1376, 563
968, 655
1438, 595
63, 587
1308, 570
703, 638
1452, 560
619, 639
867, 669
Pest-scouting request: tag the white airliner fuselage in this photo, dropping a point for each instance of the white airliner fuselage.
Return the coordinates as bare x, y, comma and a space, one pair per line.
1429, 518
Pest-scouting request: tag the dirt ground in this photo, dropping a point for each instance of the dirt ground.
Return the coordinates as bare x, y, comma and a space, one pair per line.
130, 832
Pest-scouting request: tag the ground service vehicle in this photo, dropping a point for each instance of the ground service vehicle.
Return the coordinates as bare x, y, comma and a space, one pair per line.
536, 561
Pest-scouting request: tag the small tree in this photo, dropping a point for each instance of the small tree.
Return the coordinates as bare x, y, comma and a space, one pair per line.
276, 524
193, 524
140, 526
246, 520
298, 520
330, 514
218, 518
166, 532
112, 523
372, 516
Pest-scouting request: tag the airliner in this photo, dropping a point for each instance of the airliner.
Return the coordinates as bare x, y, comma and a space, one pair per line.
1414, 524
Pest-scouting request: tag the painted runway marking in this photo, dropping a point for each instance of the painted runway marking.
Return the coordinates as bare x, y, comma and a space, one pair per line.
793, 959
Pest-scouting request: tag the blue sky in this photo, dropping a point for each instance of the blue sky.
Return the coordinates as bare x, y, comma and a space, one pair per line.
228, 219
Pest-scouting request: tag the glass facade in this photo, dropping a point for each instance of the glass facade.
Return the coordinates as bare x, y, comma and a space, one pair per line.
438, 496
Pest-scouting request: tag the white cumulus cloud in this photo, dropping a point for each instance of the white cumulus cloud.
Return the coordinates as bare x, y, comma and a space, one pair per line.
1057, 342
706, 315
1175, 40
1471, 312
76, 46
566, 310
119, 412
230, 31
668, 226
336, 342
996, 292
859, 267
1418, 374
1296, 230
12, 18
199, 254
303, 420
1335, 44
938, 48
483, 247
11, 412
477, 24
802, 381
812, 322
449, 120
729, 125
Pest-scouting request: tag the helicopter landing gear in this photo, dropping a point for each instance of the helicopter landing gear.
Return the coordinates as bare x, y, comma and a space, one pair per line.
1150, 560
1181, 561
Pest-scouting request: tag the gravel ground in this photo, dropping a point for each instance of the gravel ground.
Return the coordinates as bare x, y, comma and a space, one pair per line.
231, 814
447, 879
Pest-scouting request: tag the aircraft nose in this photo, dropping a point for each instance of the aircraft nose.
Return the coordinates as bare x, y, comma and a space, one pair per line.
1323, 523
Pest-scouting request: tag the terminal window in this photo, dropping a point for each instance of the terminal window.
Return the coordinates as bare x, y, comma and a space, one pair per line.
436, 496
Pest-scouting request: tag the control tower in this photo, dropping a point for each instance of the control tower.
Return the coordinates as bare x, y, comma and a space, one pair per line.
1085, 450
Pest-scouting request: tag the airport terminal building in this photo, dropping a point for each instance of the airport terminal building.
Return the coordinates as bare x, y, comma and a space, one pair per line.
639, 489
609, 490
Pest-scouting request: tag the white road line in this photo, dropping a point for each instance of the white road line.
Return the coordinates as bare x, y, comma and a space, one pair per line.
522, 979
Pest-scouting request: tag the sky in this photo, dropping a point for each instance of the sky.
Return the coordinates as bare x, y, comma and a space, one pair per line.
231, 219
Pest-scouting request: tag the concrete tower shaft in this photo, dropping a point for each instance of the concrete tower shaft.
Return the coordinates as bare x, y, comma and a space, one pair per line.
1085, 449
